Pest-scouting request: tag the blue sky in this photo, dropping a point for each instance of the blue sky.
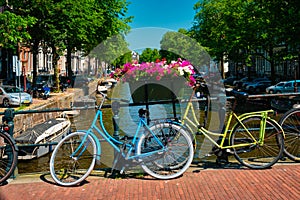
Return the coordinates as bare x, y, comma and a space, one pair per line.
153, 18
171, 14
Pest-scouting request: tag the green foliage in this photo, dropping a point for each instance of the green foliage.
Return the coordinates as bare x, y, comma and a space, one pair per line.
125, 58
149, 55
13, 29
176, 45
113, 51
62, 25
239, 29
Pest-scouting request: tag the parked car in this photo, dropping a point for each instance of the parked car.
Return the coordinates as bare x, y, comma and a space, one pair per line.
239, 83
45, 80
284, 87
258, 87
253, 81
13, 96
229, 80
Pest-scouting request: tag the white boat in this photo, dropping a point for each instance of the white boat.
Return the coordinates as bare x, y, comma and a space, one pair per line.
111, 82
101, 88
31, 142
104, 85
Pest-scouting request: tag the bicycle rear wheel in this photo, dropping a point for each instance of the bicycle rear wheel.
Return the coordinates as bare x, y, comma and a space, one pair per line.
8, 156
73, 159
290, 123
171, 162
262, 154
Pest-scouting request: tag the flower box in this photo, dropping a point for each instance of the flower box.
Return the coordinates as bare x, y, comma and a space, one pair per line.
143, 91
155, 81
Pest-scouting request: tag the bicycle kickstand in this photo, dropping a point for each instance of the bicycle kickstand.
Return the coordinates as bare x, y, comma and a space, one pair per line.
115, 168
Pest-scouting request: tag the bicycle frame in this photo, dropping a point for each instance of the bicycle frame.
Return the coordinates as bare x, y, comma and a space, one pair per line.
239, 119
114, 142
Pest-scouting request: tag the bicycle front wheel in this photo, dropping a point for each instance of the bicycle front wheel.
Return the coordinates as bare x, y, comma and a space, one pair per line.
172, 158
260, 153
290, 123
73, 159
8, 156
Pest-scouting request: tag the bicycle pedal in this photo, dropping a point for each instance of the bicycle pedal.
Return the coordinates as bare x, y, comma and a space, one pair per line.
199, 133
229, 151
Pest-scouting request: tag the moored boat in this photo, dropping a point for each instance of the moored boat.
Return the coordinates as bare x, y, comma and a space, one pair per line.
41, 138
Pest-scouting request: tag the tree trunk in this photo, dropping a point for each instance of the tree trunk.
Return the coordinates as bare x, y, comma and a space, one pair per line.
222, 67
69, 67
55, 59
35, 48
89, 66
272, 65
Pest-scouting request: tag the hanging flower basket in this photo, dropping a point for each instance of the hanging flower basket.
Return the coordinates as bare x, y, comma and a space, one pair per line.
156, 81
146, 91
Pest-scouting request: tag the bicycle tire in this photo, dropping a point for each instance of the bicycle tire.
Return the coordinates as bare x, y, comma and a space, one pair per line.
186, 128
67, 170
172, 163
290, 123
166, 136
257, 156
8, 156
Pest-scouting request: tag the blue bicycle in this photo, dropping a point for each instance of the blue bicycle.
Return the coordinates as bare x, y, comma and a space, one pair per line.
163, 150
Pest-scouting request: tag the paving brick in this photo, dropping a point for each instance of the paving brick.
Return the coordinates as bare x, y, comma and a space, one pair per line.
279, 182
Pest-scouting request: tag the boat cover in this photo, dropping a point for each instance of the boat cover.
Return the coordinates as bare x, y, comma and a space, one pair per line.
31, 134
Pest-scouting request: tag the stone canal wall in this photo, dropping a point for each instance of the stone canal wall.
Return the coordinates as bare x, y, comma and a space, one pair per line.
57, 100
24, 121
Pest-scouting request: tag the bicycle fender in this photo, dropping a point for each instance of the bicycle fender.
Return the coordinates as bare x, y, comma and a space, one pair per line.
279, 127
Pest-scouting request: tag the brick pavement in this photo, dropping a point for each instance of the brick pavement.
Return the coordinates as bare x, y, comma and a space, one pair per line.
279, 182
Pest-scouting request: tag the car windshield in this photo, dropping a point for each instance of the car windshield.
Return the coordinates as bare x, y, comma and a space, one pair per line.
280, 84
42, 78
12, 89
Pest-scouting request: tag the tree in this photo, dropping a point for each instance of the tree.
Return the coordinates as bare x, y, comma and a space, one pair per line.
72, 25
13, 29
112, 51
179, 44
149, 55
241, 30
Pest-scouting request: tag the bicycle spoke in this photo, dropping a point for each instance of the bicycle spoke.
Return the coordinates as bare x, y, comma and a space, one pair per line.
8, 157
176, 157
68, 169
290, 123
263, 154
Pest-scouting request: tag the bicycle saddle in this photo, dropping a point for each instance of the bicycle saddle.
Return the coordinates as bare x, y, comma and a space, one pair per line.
144, 113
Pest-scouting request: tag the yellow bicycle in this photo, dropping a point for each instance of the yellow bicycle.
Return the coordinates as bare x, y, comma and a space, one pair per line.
255, 139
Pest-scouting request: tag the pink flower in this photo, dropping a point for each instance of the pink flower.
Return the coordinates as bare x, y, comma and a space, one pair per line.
158, 69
